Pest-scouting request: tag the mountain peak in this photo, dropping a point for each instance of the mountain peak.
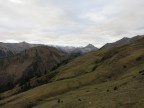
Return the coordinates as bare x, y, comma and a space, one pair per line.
24, 42
90, 46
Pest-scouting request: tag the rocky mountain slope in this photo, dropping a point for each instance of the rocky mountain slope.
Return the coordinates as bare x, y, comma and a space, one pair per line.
22, 67
107, 78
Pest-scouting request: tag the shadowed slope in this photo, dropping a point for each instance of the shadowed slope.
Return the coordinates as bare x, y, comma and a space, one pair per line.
34, 62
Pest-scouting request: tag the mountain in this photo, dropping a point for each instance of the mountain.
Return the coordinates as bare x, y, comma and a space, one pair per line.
76, 51
86, 49
121, 42
107, 78
66, 49
22, 67
10, 49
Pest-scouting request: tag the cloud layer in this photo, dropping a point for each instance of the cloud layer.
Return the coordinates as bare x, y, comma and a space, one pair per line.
70, 22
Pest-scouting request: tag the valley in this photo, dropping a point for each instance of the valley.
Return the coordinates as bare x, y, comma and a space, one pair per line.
107, 78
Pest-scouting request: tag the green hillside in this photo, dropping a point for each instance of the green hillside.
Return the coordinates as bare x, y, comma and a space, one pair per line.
102, 79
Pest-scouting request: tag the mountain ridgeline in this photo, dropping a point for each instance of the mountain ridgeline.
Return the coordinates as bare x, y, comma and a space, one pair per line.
76, 51
47, 77
10, 49
121, 42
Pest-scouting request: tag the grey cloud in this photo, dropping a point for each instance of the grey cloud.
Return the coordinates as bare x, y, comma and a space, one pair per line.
70, 22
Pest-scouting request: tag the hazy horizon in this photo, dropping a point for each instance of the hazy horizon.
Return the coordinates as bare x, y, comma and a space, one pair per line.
70, 23
59, 45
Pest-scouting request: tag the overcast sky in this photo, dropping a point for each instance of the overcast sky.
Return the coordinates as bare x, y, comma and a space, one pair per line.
70, 22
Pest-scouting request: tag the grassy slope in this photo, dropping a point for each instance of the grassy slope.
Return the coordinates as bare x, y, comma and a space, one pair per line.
103, 79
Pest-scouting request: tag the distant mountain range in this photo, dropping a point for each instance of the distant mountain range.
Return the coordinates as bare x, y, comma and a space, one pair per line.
10, 49
74, 51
